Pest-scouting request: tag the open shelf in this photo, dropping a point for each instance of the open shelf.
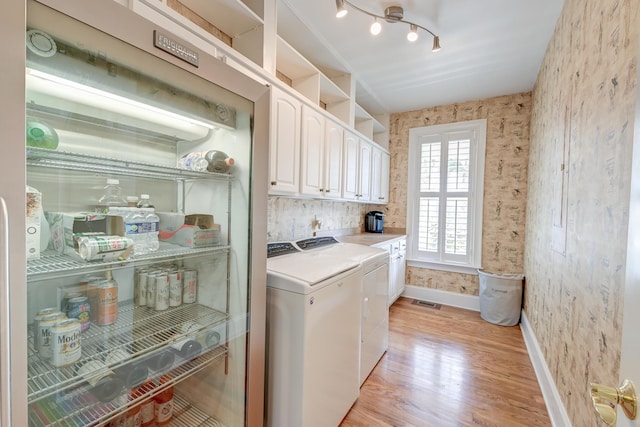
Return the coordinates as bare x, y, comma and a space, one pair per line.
233, 17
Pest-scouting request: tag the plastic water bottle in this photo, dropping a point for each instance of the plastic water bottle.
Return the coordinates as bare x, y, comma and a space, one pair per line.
134, 228
218, 162
112, 197
152, 228
194, 162
145, 202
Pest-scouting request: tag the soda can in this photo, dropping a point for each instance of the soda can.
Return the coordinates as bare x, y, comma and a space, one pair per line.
80, 309
175, 288
66, 296
151, 290
107, 302
140, 298
91, 284
44, 333
189, 286
161, 291
65, 342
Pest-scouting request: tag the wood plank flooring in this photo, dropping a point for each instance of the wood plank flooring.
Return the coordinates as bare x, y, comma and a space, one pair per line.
448, 367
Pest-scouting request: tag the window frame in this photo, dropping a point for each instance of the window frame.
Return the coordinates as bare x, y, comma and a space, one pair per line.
443, 134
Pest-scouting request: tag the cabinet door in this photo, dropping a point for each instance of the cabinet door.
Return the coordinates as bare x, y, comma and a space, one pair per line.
284, 165
312, 152
366, 153
351, 166
384, 178
334, 140
376, 174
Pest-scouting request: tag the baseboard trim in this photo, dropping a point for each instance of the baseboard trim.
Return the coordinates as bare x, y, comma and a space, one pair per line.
470, 302
557, 412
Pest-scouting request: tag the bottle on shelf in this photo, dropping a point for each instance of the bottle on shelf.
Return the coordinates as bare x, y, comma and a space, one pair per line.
193, 161
164, 403
133, 373
133, 417
112, 197
147, 407
134, 228
160, 361
218, 162
145, 202
41, 135
132, 201
104, 384
152, 228
187, 348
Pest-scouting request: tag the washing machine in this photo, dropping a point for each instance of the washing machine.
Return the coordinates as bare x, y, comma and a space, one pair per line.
313, 330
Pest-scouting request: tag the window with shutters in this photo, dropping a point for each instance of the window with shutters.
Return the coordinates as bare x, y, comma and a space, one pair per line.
444, 202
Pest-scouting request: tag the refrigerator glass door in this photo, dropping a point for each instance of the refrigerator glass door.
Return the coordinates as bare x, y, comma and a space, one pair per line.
134, 313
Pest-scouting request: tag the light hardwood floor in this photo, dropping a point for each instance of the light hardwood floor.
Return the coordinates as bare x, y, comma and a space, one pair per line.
448, 367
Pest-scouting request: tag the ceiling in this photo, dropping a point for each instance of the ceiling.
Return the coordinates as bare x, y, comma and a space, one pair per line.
489, 48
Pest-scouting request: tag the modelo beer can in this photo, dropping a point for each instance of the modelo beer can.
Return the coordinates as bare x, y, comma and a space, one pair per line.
175, 288
80, 309
36, 320
65, 342
44, 333
104, 248
140, 292
161, 291
189, 285
151, 290
107, 302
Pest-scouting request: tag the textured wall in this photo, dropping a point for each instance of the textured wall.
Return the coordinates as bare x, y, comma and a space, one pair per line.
290, 219
505, 183
574, 301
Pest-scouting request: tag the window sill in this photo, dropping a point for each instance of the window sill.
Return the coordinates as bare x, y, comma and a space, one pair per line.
454, 268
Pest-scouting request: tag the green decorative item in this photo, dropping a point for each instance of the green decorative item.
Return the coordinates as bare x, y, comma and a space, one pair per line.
41, 135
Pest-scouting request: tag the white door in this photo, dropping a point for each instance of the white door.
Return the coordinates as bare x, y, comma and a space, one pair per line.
333, 160
351, 171
366, 152
284, 164
312, 153
630, 355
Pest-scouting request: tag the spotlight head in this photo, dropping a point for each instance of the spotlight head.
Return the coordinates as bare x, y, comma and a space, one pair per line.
436, 44
412, 35
376, 27
341, 10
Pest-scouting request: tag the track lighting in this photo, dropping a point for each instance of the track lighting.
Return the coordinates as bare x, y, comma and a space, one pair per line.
341, 10
412, 35
392, 14
376, 27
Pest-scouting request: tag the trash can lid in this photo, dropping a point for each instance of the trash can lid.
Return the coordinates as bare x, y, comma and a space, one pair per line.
514, 276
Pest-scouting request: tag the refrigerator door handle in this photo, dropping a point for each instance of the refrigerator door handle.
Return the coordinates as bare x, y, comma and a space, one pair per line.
5, 321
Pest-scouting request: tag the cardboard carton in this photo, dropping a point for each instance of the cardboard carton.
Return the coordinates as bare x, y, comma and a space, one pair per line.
33, 222
194, 231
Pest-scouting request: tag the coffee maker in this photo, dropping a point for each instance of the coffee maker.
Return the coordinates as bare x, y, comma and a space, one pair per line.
373, 222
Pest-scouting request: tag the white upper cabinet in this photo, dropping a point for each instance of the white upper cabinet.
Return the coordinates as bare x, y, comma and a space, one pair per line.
334, 141
312, 153
284, 164
366, 157
351, 172
379, 176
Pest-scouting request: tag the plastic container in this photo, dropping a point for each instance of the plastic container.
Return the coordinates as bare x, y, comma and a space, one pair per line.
218, 162
152, 228
500, 297
145, 202
193, 161
111, 198
41, 135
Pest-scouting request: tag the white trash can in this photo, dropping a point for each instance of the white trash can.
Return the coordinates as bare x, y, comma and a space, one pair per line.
500, 297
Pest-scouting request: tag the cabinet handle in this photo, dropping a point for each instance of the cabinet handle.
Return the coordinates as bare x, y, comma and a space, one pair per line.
5, 322
274, 182
327, 191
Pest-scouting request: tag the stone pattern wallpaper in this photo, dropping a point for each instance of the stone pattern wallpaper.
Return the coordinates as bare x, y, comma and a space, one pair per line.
585, 95
290, 219
505, 191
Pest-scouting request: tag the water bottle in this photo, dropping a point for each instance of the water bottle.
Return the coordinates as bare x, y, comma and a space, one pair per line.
112, 197
134, 228
218, 162
145, 202
152, 228
193, 161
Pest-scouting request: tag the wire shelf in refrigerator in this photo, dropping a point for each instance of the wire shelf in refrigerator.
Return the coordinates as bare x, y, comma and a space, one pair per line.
52, 264
102, 165
79, 408
139, 331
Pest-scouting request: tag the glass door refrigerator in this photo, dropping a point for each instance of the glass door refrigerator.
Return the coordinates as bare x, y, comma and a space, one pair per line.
133, 232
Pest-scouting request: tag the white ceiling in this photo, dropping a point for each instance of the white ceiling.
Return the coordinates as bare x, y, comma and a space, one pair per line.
489, 48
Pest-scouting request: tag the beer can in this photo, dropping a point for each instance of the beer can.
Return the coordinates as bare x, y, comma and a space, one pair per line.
141, 289
189, 285
151, 290
44, 333
161, 291
80, 309
65, 342
39, 315
107, 302
104, 248
175, 288
66, 296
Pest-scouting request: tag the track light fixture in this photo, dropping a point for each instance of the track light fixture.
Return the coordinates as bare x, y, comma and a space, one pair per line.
392, 14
